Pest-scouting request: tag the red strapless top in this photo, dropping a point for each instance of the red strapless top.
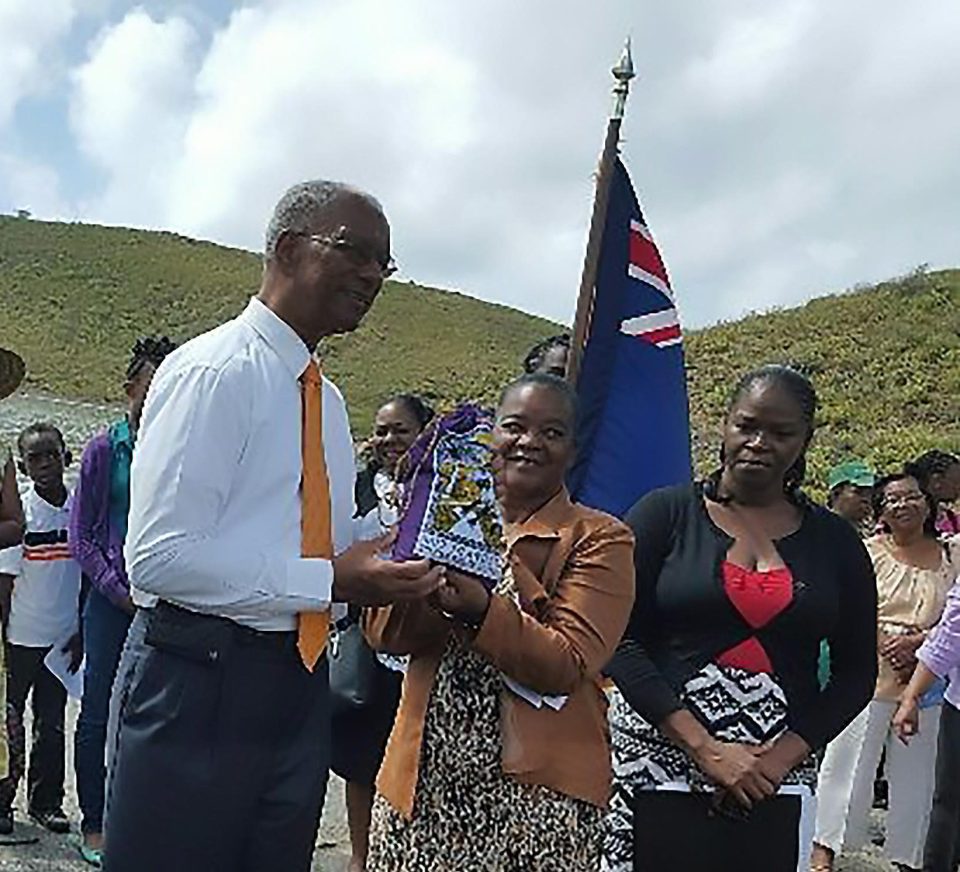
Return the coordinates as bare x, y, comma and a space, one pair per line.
759, 596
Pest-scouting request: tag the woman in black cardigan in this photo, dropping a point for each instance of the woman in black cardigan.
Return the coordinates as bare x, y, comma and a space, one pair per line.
717, 707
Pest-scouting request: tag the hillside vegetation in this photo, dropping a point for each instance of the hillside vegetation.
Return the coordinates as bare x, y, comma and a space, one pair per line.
885, 359
75, 297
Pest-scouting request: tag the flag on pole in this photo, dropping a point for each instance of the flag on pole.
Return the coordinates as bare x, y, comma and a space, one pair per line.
633, 428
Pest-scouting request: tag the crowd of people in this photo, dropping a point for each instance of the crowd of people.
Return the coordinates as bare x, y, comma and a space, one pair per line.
717, 681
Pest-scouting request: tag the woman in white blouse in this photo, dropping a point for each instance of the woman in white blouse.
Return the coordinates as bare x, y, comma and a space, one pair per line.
914, 573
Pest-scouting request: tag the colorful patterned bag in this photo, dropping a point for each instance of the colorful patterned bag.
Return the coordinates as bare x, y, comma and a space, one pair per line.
449, 510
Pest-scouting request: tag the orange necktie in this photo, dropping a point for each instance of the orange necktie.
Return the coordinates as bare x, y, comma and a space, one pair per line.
316, 533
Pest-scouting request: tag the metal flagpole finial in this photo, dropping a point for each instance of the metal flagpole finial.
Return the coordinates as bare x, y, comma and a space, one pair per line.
623, 72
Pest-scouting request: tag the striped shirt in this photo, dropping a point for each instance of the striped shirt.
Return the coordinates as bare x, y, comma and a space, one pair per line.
44, 609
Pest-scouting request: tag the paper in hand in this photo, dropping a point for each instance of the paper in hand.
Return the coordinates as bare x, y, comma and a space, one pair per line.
58, 662
537, 700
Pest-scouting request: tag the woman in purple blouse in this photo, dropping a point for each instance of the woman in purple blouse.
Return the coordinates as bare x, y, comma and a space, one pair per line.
98, 528
939, 657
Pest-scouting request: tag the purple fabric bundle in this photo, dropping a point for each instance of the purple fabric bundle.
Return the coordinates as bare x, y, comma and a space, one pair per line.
449, 508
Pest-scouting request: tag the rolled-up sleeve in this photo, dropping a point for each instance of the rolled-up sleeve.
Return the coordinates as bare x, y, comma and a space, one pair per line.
940, 653
194, 433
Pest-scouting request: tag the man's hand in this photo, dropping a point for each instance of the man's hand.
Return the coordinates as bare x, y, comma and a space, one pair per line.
464, 597
364, 578
74, 647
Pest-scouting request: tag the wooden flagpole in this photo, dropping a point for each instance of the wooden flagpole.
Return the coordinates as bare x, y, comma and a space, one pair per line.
623, 73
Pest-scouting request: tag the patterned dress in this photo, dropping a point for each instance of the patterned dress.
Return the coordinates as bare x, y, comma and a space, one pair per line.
467, 814
735, 704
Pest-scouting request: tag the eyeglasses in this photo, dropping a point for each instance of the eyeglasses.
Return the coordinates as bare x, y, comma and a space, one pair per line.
906, 499
357, 254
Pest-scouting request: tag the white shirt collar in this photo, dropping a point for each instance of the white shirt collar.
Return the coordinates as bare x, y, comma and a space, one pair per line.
279, 335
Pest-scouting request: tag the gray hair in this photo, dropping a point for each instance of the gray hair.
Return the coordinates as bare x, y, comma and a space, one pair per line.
300, 208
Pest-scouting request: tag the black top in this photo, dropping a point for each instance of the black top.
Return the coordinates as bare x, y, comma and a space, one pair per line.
682, 618
364, 493
365, 501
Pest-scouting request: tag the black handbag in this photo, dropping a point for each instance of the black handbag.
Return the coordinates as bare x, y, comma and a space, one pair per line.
354, 668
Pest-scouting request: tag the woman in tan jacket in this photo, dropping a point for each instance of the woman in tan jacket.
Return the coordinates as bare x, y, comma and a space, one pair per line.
479, 774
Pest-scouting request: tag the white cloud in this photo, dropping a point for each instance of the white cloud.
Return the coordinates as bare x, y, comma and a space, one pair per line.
32, 186
283, 95
748, 218
779, 148
749, 56
472, 160
855, 106
129, 110
30, 37
28, 30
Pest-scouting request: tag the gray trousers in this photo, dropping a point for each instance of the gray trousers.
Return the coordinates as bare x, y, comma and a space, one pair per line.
221, 757
942, 851
133, 651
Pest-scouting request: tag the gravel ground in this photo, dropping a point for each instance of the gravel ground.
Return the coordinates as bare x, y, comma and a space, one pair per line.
52, 853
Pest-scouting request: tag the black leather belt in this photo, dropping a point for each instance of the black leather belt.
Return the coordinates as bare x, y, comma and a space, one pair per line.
207, 637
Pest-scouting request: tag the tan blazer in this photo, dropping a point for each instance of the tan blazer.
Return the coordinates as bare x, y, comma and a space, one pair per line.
573, 570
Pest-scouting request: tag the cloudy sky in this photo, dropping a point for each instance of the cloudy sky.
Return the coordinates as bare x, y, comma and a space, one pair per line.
781, 148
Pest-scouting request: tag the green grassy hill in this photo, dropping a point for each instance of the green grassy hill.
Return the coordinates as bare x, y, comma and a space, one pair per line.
74, 298
885, 359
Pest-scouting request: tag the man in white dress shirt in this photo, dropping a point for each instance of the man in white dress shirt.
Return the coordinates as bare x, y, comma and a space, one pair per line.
224, 736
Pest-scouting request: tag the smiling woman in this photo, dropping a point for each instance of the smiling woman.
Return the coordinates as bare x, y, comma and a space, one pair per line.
534, 440
359, 730
499, 757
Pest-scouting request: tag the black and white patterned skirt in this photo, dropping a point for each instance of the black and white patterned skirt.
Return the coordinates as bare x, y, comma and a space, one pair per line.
660, 796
